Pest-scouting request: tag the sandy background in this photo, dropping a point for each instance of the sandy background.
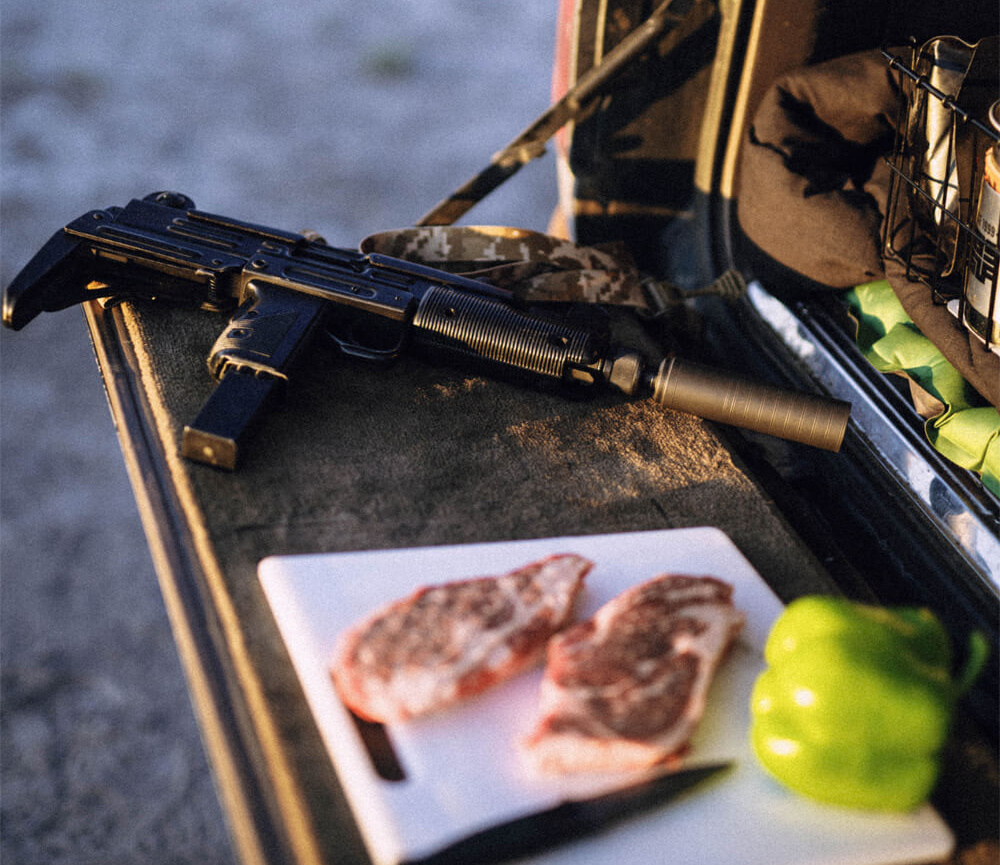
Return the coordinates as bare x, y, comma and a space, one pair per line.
322, 114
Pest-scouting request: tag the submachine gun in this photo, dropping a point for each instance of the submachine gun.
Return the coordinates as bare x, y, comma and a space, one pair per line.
287, 288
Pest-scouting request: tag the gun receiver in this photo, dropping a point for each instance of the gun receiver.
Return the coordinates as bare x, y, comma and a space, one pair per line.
286, 287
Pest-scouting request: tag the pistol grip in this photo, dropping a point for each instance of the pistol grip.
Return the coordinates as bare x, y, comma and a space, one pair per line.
252, 360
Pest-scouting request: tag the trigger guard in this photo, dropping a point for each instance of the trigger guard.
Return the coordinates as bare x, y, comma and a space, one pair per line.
367, 353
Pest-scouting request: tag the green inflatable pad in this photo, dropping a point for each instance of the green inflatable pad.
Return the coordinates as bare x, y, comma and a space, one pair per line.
964, 427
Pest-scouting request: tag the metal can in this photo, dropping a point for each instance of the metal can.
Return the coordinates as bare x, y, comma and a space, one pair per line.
980, 310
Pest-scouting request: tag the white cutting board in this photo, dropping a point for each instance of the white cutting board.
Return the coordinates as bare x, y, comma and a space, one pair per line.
461, 769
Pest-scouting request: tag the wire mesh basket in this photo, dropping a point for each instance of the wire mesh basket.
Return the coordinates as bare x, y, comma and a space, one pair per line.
944, 190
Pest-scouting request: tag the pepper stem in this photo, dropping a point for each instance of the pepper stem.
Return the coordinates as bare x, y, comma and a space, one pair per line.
978, 652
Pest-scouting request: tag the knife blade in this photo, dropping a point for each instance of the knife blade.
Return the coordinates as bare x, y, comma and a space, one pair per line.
570, 820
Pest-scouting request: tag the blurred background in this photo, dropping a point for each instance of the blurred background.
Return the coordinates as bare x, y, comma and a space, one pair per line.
321, 114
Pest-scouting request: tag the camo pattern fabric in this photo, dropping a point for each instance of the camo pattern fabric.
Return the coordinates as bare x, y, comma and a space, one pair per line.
531, 265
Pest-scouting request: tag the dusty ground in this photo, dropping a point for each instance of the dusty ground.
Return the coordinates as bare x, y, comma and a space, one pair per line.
341, 117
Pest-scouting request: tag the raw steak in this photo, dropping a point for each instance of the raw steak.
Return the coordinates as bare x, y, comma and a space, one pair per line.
445, 643
626, 689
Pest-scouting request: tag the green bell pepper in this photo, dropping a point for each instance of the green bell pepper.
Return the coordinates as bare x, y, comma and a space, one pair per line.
856, 702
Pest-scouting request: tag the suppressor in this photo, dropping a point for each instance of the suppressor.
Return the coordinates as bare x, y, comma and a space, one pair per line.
720, 396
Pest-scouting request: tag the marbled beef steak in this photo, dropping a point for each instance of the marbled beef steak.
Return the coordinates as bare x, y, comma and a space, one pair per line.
448, 642
626, 689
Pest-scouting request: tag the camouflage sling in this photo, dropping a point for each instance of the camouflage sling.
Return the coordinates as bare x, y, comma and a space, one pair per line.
540, 267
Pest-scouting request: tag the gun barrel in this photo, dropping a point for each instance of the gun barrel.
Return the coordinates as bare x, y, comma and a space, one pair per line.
717, 395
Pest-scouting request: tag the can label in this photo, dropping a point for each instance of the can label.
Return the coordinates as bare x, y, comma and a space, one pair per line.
981, 301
